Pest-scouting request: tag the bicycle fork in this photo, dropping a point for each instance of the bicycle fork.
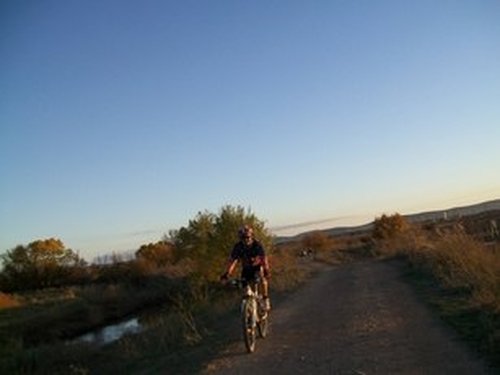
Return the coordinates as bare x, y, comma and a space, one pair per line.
249, 302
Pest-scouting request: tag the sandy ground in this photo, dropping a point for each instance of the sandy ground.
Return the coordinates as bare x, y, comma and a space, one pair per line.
358, 318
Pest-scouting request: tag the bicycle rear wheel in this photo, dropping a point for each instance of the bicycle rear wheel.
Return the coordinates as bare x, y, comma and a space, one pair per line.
249, 323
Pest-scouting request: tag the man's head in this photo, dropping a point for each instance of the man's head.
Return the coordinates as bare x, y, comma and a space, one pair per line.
246, 234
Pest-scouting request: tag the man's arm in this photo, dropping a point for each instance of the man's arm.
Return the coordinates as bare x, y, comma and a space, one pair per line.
264, 262
231, 266
265, 266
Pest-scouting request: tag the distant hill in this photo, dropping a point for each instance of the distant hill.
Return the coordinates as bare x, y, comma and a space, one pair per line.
456, 213
447, 214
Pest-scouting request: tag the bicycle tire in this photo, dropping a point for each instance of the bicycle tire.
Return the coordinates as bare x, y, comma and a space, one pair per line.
248, 325
263, 325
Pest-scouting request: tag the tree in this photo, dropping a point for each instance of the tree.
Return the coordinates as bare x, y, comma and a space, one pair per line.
42, 263
208, 238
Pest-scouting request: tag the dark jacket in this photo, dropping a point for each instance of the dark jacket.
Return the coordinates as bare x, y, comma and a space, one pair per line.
249, 256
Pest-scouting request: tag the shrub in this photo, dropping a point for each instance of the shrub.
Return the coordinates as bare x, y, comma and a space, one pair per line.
388, 227
158, 254
316, 241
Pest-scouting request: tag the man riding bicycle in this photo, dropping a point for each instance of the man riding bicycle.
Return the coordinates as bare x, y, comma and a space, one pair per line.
253, 261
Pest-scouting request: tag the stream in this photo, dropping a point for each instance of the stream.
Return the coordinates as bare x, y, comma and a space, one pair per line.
110, 333
116, 330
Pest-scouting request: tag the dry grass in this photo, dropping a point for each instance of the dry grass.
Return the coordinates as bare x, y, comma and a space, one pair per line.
456, 259
286, 273
467, 275
462, 263
8, 301
193, 311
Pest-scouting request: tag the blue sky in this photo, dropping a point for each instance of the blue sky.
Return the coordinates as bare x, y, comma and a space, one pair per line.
120, 120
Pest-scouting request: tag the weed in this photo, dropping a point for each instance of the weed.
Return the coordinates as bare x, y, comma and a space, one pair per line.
463, 281
8, 301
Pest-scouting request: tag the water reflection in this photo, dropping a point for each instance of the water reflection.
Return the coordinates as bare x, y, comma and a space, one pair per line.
110, 333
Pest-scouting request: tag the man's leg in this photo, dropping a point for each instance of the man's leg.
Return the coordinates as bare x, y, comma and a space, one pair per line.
265, 287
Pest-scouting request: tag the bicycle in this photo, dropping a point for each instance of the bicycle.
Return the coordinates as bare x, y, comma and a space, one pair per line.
254, 317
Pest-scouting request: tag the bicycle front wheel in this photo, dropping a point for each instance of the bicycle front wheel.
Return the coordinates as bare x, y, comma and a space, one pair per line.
249, 325
263, 324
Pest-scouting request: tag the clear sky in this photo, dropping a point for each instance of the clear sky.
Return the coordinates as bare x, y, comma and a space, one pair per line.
120, 120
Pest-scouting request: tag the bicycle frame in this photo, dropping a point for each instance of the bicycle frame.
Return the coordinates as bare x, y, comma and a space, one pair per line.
254, 317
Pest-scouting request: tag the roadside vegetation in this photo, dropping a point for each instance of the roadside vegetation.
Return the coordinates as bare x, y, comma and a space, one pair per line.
457, 272
49, 295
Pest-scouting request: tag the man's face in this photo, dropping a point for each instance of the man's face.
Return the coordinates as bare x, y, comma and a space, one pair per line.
247, 240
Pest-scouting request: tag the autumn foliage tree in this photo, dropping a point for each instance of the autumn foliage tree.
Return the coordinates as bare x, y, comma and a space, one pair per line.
40, 264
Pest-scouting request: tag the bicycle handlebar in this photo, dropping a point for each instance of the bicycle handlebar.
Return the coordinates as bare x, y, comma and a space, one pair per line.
241, 282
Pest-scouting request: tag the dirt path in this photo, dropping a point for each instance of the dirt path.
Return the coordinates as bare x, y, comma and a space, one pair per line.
358, 318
